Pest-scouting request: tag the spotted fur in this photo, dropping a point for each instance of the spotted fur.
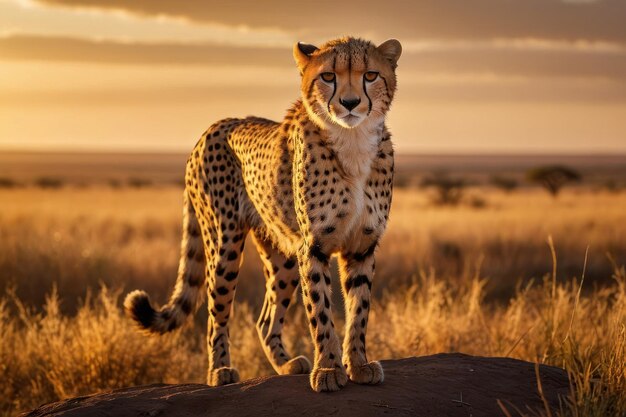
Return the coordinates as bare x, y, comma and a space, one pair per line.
315, 185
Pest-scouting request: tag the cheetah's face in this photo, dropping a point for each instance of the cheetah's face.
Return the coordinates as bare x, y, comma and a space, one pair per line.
348, 81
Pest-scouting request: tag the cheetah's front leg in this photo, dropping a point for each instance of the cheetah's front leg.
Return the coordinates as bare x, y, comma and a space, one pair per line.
328, 373
281, 281
357, 271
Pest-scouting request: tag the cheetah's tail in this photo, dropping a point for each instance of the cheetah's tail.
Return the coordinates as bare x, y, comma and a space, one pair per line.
189, 291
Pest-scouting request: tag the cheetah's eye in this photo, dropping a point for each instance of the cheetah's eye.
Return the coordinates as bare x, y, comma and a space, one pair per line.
329, 77
370, 76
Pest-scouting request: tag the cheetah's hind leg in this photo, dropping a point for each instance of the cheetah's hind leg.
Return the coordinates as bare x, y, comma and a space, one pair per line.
222, 273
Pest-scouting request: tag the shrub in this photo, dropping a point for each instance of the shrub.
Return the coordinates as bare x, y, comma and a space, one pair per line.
49, 182
612, 186
553, 178
6, 182
139, 182
402, 181
449, 190
477, 202
114, 183
506, 184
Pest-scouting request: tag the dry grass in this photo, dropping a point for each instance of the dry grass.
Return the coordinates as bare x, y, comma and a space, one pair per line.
48, 356
79, 238
449, 279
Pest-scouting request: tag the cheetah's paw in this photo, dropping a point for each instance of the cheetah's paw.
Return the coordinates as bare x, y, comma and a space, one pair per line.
370, 373
223, 376
328, 379
297, 365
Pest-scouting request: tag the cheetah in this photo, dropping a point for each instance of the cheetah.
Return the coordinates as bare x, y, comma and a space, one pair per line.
316, 185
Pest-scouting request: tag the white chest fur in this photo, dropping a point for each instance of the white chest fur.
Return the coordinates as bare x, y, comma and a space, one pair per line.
355, 150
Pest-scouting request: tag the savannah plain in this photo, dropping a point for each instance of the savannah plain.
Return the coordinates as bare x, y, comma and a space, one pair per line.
505, 269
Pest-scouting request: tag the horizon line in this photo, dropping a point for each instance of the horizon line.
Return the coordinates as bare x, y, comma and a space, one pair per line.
442, 152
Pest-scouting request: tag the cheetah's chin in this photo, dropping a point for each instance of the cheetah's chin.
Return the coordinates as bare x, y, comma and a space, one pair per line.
349, 121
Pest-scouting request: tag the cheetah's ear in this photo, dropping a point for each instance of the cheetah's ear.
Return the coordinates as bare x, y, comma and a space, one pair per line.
302, 53
391, 50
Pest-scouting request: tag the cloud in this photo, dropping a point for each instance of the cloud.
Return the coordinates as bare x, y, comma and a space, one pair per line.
441, 19
477, 59
26, 17
46, 48
527, 63
479, 39
493, 89
523, 44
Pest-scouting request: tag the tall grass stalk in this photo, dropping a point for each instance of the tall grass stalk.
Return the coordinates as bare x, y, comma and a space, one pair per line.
48, 355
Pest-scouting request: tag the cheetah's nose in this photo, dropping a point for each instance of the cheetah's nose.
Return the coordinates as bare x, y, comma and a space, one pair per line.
350, 103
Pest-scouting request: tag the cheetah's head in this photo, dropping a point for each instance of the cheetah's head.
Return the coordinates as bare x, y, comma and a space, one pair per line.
347, 80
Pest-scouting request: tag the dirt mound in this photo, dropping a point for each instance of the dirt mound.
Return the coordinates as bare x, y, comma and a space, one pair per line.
438, 385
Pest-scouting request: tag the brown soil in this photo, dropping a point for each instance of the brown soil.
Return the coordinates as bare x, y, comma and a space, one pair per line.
438, 385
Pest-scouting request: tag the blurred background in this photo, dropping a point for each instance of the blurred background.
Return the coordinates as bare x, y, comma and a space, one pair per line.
510, 132
500, 103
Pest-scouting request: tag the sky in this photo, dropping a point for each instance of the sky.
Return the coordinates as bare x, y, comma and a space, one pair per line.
476, 76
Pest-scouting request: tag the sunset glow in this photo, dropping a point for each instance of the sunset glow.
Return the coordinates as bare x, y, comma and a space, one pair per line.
524, 76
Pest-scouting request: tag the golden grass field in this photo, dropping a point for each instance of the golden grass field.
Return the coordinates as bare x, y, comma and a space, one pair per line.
476, 278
